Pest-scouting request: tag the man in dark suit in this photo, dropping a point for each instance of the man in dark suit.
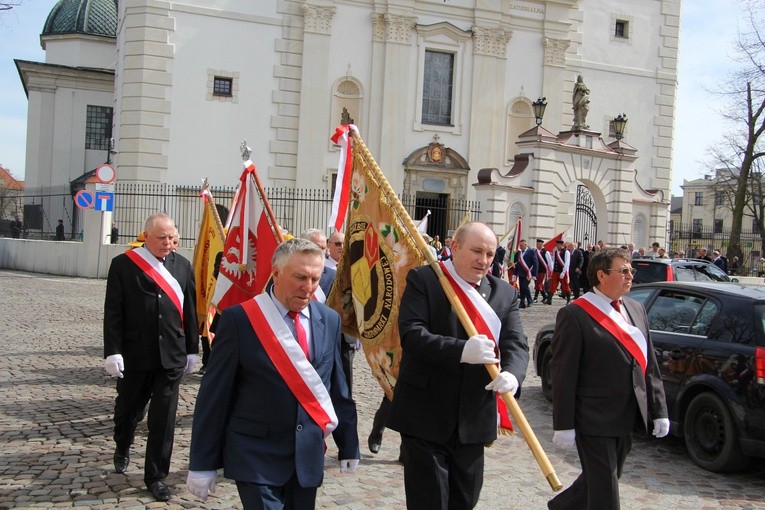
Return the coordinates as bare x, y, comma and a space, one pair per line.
575, 269
442, 407
268, 399
604, 375
499, 260
150, 338
526, 270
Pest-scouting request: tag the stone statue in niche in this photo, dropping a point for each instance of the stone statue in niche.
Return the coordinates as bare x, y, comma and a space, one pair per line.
581, 104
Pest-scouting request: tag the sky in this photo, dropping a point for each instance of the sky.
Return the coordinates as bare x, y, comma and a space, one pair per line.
708, 29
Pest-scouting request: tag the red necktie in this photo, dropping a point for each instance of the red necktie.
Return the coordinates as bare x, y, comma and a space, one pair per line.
302, 338
617, 305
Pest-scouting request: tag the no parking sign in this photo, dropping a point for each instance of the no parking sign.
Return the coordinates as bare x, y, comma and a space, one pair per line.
84, 199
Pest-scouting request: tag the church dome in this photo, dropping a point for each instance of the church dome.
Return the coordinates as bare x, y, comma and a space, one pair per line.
92, 17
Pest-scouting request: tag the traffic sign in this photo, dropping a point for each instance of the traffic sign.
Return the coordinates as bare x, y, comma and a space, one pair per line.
102, 186
104, 201
105, 173
84, 199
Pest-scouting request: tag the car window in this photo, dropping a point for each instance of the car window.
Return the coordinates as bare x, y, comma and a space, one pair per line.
674, 312
641, 295
711, 272
759, 323
705, 317
648, 272
735, 325
684, 273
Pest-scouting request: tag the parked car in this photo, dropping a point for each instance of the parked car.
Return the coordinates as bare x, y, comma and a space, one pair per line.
682, 270
709, 340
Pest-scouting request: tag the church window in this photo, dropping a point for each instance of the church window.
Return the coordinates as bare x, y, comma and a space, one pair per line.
621, 29
437, 88
98, 127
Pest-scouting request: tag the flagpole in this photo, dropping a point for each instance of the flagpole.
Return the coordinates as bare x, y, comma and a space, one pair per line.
246, 152
509, 399
216, 216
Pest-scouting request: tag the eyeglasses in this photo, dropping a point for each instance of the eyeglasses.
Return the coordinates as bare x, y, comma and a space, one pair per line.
337, 243
624, 271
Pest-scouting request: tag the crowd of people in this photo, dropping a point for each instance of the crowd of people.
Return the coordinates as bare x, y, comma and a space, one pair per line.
278, 379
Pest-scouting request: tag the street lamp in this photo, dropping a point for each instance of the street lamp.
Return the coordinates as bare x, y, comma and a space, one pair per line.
539, 109
620, 122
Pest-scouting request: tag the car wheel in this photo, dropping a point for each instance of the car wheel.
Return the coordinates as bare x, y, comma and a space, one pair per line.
711, 436
546, 375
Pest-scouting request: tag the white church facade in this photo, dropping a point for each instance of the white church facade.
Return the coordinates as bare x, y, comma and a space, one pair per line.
441, 91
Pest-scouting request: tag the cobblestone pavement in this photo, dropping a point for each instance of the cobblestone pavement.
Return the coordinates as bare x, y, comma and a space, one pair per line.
55, 428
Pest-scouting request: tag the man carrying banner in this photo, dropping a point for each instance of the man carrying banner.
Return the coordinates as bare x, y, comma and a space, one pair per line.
150, 338
444, 405
604, 375
273, 390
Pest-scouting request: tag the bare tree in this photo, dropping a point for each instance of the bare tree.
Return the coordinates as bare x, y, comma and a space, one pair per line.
7, 6
744, 92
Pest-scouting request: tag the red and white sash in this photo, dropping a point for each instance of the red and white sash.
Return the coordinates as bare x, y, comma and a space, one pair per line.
155, 270
542, 260
611, 320
524, 265
561, 261
485, 320
290, 361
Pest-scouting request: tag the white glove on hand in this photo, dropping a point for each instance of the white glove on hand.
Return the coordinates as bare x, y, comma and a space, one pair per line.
660, 427
199, 483
114, 365
479, 350
349, 465
565, 439
503, 383
191, 360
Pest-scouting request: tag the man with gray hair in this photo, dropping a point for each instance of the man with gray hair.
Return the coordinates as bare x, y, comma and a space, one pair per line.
604, 376
273, 389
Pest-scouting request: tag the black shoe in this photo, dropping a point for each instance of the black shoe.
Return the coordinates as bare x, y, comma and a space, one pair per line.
160, 491
121, 461
522, 306
374, 442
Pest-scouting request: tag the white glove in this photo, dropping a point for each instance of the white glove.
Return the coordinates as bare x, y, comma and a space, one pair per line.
191, 360
660, 427
348, 465
199, 483
565, 439
503, 383
479, 350
114, 365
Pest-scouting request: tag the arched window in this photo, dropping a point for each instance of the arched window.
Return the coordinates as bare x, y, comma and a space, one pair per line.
520, 118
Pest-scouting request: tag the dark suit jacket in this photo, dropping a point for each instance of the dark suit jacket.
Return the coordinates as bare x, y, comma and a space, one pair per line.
140, 321
246, 419
598, 387
327, 279
435, 394
577, 260
530, 257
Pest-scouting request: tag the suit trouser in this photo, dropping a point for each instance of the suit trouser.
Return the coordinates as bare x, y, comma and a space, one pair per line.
441, 476
347, 353
523, 283
267, 497
597, 487
134, 390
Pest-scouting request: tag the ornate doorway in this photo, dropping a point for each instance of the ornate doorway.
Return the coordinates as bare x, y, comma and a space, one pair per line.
585, 218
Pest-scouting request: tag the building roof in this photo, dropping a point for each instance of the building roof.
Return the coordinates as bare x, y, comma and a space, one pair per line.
92, 17
8, 181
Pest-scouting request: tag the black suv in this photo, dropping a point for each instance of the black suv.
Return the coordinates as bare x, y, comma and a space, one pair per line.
709, 340
682, 270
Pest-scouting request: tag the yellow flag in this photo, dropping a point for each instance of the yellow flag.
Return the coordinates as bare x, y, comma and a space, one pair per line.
371, 275
209, 244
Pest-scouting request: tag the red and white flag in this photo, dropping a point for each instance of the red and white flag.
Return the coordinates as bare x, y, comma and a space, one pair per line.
246, 262
342, 137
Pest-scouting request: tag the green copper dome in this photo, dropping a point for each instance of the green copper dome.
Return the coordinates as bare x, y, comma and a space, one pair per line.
93, 17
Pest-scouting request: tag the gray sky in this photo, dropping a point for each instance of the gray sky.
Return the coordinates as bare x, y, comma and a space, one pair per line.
708, 28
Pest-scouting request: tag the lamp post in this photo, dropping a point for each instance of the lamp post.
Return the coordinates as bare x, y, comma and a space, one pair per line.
620, 123
539, 109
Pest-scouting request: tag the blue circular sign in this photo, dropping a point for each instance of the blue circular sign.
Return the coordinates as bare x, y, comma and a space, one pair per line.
84, 199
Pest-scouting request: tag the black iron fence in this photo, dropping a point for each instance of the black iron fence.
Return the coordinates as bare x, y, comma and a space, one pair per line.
40, 211
689, 240
295, 209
